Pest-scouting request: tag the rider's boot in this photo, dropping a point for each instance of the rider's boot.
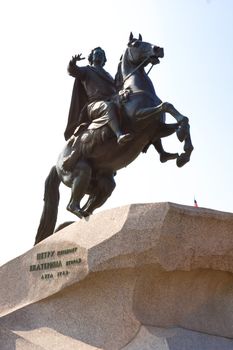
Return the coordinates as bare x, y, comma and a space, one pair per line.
121, 138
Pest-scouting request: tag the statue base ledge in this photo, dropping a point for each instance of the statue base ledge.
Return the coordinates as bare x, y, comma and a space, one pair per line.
97, 284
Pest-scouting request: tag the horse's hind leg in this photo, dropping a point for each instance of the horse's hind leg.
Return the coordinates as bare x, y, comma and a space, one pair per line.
81, 179
103, 189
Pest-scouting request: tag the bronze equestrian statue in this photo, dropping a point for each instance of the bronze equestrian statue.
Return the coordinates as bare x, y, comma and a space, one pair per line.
109, 125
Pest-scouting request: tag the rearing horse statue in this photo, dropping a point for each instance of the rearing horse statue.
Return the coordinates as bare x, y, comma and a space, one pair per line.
96, 153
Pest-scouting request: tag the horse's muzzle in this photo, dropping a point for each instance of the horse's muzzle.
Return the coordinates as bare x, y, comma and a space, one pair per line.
159, 52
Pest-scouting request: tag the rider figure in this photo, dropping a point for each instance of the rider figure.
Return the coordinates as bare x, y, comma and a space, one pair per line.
91, 103
99, 87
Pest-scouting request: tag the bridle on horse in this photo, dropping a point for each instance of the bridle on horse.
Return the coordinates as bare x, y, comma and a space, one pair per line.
138, 66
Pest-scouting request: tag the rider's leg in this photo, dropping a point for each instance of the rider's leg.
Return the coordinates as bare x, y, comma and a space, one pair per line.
114, 124
105, 112
82, 177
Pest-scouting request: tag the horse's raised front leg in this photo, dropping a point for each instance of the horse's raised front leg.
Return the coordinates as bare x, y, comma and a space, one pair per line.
144, 113
185, 156
183, 130
164, 156
183, 121
183, 134
81, 179
165, 130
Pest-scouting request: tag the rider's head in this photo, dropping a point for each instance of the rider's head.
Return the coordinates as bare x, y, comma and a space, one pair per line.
97, 55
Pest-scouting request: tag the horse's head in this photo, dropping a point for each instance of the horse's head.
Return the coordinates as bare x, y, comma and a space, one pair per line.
141, 51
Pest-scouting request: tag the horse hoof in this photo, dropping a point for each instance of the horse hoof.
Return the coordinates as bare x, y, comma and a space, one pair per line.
75, 211
86, 214
182, 159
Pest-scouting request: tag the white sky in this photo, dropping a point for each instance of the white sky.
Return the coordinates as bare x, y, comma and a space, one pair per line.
38, 39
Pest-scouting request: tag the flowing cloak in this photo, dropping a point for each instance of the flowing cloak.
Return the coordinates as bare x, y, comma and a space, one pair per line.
79, 100
77, 112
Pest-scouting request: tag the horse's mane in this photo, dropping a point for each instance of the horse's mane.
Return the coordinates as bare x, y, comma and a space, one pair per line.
118, 76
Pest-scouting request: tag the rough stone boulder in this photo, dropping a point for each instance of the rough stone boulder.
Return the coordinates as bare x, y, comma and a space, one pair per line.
138, 277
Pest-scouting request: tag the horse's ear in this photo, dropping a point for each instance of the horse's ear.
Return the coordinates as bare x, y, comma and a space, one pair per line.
140, 37
130, 37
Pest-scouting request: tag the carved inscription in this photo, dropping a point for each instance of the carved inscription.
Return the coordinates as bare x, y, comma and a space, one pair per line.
46, 266
55, 263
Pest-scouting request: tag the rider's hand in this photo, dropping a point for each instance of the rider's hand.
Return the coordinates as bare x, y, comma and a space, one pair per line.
77, 58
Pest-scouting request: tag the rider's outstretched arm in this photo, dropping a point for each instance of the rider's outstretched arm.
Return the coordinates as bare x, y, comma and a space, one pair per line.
74, 70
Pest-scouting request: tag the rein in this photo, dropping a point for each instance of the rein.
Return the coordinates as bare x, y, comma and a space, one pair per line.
135, 70
150, 69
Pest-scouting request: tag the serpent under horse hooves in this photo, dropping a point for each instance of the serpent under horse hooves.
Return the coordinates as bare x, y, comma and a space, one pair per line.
98, 155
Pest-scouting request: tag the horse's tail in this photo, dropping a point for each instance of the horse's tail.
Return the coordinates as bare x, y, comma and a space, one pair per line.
51, 201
